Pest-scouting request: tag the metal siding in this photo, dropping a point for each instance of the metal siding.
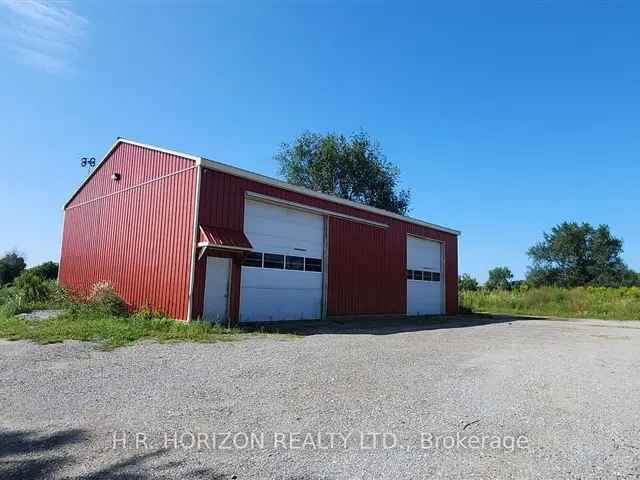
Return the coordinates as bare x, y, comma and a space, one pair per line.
138, 239
367, 264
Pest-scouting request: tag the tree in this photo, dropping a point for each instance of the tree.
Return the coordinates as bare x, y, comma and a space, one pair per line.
352, 168
499, 278
46, 270
11, 265
467, 282
579, 254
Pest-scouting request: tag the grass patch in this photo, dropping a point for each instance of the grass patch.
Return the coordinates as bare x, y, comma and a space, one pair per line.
115, 331
583, 302
101, 317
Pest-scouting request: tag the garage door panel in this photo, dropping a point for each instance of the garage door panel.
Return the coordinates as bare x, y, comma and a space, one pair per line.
424, 298
270, 294
286, 231
423, 254
284, 245
424, 287
278, 279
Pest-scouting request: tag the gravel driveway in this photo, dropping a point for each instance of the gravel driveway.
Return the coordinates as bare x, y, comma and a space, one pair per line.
321, 405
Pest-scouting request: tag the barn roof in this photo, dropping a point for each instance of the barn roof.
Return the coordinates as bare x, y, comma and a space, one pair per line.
239, 172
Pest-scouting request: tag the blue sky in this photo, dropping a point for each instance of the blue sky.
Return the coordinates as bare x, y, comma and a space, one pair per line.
505, 118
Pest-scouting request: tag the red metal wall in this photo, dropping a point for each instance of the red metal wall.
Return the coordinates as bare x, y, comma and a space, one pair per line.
136, 233
367, 273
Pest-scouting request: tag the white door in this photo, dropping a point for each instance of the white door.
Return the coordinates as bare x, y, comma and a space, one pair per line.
282, 278
424, 277
216, 289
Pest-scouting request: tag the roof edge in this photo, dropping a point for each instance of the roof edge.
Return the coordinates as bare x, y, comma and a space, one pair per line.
114, 145
239, 172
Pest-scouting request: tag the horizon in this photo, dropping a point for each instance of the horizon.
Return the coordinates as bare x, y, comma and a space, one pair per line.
503, 120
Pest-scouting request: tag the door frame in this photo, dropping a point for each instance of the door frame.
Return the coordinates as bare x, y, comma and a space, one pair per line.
229, 261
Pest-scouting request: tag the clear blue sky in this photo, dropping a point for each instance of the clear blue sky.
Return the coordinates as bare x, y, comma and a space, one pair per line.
505, 118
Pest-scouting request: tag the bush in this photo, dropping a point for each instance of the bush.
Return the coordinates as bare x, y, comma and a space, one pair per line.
467, 282
104, 300
14, 305
5, 294
31, 287
47, 270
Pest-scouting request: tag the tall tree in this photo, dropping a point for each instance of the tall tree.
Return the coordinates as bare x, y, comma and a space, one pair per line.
576, 254
353, 168
11, 265
499, 278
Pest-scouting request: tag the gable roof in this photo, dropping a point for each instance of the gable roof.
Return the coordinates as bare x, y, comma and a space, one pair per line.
239, 172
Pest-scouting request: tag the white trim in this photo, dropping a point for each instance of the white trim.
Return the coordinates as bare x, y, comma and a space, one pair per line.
177, 172
221, 167
422, 237
325, 269
239, 172
443, 276
64, 216
223, 247
194, 242
307, 208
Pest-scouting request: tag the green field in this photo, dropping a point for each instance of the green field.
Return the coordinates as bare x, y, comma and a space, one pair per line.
583, 302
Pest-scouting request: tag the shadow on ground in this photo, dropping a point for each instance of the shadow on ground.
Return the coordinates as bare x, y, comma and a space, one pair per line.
387, 325
34, 455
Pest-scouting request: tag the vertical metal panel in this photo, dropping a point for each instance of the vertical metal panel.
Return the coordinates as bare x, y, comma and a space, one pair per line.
137, 237
367, 265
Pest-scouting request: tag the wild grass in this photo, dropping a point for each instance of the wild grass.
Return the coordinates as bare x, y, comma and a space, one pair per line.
583, 302
114, 331
102, 317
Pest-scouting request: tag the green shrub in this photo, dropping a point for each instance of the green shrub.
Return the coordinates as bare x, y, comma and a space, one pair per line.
31, 287
14, 305
47, 270
5, 294
104, 300
467, 282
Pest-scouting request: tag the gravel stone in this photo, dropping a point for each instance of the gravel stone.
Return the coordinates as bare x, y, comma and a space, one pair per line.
570, 387
40, 314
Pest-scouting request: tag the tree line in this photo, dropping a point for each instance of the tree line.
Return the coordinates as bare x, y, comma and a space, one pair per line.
571, 255
13, 266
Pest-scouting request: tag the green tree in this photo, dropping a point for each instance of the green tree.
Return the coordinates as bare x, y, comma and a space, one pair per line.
353, 168
11, 265
467, 282
576, 254
46, 270
499, 278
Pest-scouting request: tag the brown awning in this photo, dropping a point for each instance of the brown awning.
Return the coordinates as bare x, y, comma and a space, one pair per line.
225, 238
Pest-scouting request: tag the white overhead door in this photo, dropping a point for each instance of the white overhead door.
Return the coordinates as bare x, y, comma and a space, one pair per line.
424, 277
282, 277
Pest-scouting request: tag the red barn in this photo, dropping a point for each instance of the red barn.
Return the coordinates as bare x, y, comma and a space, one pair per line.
195, 238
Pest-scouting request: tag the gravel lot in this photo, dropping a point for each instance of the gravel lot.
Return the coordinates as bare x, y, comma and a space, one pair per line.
571, 388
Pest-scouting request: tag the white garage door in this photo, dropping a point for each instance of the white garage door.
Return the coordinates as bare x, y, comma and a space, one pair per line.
282, 277
424, 278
